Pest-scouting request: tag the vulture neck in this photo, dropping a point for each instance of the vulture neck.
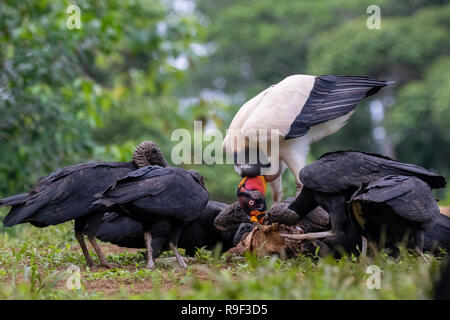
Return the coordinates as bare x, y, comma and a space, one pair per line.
141, 158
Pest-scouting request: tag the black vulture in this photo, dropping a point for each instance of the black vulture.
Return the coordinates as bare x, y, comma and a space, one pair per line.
391, 207
68, 193
332, 180
153, 194
317, 220
235, 220
231, 217
438, 236
198, 233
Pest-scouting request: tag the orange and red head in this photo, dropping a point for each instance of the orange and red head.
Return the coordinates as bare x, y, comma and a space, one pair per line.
251, 193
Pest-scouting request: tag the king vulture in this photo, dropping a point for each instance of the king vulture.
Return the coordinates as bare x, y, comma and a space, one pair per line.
331, 181
303, 109
251, 193
68, 193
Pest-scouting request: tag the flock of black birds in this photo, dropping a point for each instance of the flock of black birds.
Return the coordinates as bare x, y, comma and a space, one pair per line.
145, 203
372, 190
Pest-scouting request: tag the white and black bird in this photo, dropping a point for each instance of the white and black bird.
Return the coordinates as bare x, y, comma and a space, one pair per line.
304, 109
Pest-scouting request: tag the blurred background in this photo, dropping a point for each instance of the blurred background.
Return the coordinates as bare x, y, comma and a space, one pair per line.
139, 69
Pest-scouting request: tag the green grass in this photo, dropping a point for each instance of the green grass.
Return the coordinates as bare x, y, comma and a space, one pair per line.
33, 264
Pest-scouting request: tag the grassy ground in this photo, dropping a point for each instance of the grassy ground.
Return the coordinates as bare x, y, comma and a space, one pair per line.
34, 264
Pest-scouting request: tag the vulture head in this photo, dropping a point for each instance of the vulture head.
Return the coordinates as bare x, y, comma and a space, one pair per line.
231, 217
149, 153
197, 177
251, 194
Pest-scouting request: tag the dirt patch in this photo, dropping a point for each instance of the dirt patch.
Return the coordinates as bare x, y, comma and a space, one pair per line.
108, 248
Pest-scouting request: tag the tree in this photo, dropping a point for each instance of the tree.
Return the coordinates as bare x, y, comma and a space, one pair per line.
61, 84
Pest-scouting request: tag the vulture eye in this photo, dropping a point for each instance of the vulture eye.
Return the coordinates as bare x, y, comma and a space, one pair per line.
251, 202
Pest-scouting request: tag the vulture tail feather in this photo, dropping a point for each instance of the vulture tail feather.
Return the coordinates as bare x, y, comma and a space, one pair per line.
14, 200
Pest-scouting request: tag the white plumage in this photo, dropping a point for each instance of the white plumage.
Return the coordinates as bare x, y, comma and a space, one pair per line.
303, 109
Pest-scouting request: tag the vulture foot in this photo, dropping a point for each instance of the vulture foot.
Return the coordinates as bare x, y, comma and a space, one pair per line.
148, 244
178, 255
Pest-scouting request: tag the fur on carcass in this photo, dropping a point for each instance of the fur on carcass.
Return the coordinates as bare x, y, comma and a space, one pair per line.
266, 240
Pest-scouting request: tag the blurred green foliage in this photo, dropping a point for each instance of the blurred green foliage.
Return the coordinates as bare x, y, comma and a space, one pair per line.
59, 86
140, 69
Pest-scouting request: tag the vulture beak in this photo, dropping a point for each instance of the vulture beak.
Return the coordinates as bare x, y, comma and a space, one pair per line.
257, 216
164, 163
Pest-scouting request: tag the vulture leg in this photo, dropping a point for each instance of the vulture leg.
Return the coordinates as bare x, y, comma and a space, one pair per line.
364, 246
336, 209
277, 189
93, 225
294, 155
175, 231
304, 203
177, 254
148, 244
419, 239
373, 247
79, 228
338, 217
157, 245
276, 184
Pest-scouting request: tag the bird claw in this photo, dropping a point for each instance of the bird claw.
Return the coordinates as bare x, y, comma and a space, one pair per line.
420, 252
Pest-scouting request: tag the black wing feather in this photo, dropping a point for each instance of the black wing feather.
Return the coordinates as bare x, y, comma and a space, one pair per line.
339, 171
14, 200
332, 97
137, 184
67, 193
155, 190
438, 236
409, 197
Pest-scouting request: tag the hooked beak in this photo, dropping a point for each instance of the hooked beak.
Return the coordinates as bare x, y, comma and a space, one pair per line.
164, 163
257, 216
